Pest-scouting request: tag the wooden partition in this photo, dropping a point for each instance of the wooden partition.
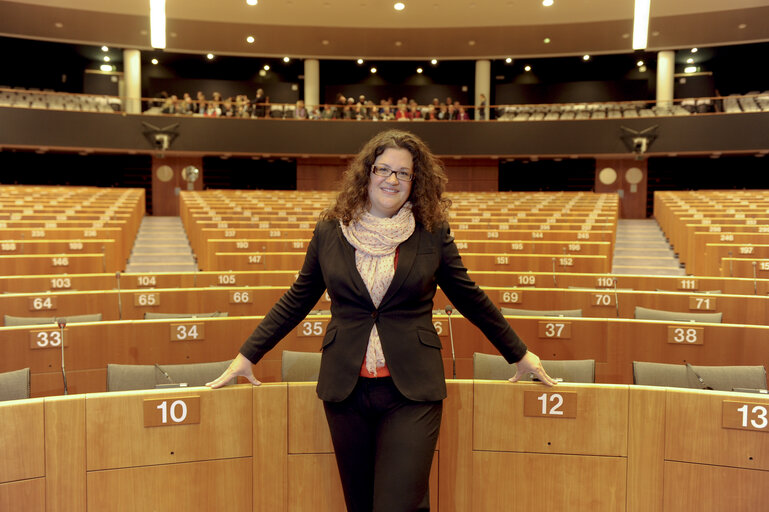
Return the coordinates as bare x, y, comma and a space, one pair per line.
502, 445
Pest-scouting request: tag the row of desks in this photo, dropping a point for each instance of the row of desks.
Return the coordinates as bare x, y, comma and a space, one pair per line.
613, 343
498, 278
133, 304
267, 449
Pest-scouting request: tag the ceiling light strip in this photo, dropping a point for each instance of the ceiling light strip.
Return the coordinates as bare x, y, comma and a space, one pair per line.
158, 23
641, 24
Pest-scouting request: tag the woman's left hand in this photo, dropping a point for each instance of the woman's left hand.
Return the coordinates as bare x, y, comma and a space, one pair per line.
530, 363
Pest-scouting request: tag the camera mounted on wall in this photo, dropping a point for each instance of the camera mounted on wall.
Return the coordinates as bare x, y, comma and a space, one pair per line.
639, 142
160, 138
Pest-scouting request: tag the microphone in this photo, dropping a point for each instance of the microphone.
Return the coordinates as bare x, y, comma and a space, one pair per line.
450, 309
62, 322
171, 383
699, 378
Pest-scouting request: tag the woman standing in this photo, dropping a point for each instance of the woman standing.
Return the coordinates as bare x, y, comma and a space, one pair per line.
380, 251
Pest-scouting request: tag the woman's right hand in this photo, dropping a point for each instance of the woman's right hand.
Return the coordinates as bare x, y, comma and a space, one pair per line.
239, 367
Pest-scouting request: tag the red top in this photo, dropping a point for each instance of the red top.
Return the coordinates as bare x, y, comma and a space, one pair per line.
383, 371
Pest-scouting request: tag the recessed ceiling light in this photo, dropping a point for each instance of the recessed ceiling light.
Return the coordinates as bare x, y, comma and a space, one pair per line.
434, 62
324, 42
398, 43
695, 50
509, 60
286, 59
547, 3
58, 24
471, 43
639, 63
266, 67
546, 40
154, 61
360, 61
105, 67
373, 70
586, 57
419, 70
527, 68
210, 56
104, 49
690, 69
741, 25
399, 6
106, 59
250, 39
689, 60
252, 2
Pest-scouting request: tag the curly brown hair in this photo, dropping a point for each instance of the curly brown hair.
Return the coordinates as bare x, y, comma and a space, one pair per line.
428, 205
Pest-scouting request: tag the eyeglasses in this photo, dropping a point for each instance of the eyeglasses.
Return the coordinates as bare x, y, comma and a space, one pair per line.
386, 172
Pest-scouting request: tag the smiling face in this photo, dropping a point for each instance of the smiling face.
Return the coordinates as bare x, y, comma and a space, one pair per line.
387, 195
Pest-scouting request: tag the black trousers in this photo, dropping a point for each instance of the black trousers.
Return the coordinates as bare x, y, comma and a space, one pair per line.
384, 446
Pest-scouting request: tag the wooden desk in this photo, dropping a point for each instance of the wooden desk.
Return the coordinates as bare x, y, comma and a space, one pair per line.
267, 449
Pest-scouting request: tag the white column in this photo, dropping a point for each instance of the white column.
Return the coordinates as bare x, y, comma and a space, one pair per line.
482, 86
311, 84
132, 73
665, 80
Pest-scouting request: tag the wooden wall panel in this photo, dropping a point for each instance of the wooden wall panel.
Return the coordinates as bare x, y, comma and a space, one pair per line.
694, 415
314, 483
646, 449
706, 488
29, 494
208, 485
117, 437
465, 174
65, 481
307, 428
270, 448
599, 428
526, 481
21, 443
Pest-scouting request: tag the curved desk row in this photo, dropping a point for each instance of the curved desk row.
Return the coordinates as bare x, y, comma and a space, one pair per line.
613, 343
573, 447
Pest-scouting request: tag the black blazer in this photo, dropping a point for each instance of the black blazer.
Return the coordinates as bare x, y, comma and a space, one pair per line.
410, 344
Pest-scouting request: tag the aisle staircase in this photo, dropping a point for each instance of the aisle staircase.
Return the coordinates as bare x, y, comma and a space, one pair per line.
642, 248
161, 246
